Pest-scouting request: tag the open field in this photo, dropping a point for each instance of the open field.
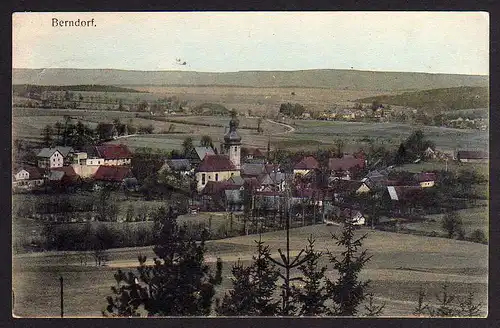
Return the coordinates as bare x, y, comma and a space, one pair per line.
401, 263
389, 133
452, 166
476, 218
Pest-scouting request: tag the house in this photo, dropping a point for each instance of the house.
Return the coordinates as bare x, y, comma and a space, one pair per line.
344, 168
214, 168
213, 195
334, 213
113, 175
472, 156
197, 154
305, 165
114, 155
272, 181
27, 177
425, 179
181, 166
62, 177
54, 157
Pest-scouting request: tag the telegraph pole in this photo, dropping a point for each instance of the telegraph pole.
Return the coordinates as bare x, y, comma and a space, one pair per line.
62, 299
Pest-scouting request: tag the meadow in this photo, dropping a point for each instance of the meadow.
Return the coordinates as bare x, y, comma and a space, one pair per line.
400, 265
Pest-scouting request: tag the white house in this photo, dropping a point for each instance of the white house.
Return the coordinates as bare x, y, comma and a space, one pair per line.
54, 157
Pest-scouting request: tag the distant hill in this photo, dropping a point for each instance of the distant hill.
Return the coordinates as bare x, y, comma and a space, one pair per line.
24, 88
438, 99
322, 78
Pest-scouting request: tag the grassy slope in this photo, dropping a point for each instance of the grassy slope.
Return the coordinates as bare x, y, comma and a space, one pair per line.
400, 264
325, 78
438, 99
17, 88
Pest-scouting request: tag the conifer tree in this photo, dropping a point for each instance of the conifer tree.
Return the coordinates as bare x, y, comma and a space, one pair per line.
348, 291
179, 282
253, 287
310, 298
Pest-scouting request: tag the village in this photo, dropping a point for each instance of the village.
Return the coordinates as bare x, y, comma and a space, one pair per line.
252, 184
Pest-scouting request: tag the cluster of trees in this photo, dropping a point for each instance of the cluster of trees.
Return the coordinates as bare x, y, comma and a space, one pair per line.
79, 134
413, 148
292, 110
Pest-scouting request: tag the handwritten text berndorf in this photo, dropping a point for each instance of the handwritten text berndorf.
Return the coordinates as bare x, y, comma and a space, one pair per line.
72, 23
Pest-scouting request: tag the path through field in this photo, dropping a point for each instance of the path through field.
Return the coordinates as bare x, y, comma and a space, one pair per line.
291, 129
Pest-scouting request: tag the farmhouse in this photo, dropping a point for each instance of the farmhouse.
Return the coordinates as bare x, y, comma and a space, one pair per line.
305, 165
252, 155
27, 178
472, 156
54, 157
425, 179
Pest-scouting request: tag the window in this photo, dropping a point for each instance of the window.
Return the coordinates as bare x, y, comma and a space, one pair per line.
216, 177
232, 174
235, 148
203, 179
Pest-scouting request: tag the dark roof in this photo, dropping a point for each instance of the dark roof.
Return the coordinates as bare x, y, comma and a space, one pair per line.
251, 183
307, 163
179, 164
425, 176
33, 171
201, 152
47, 152
216, 163
237, 180
472, 154
114, 151
346, 185
345, 163
403, 192
252, 169
218, 187
68, 171
255, 152
272, 168
112, 173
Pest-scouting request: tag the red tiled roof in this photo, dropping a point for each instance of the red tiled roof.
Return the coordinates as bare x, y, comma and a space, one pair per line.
112, 173
216, 163
345, 163
114, 151
307, 163
68, 171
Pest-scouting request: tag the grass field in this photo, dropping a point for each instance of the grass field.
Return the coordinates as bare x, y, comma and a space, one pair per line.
452, 166
401, 263
476, 218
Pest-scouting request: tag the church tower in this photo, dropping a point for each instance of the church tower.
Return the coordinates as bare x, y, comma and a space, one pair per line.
232, 143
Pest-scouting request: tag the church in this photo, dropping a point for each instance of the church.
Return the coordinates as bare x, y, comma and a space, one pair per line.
221, 167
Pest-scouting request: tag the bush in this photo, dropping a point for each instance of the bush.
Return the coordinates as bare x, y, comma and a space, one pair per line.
478, 236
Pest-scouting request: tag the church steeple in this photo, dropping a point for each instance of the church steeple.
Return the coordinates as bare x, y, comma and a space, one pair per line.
232, 142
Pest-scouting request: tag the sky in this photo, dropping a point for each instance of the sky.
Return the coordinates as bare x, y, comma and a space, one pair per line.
434, 42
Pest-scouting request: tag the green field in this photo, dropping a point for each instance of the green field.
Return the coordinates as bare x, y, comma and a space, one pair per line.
401, 263
476, 218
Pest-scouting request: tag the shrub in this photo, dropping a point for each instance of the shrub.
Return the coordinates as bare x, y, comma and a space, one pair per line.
478, 236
